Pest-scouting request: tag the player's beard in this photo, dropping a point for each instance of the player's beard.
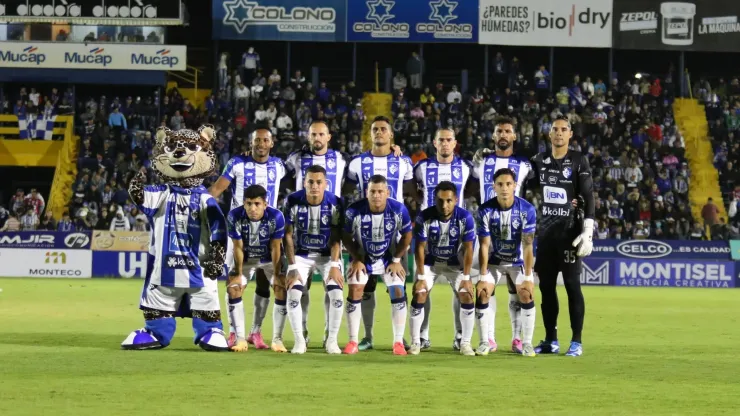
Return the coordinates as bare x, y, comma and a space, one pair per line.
317, 147
503, 144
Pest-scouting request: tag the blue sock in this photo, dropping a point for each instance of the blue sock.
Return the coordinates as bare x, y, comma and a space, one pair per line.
163, 329
201, 328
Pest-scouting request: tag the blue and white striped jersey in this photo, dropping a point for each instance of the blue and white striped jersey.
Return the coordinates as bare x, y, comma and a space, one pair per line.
332, 161
377, 234
395, 169
428, 173
483, 173
505, 227
244, 171
312, 224
184, 223
257, 235
444, 238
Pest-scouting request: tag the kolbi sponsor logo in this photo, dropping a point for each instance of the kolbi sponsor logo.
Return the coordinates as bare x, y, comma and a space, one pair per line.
179, 262
160, 58
555, 212
30, 54
644, 249
240, 14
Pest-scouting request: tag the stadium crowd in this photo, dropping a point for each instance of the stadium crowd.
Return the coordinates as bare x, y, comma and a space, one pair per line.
641, 175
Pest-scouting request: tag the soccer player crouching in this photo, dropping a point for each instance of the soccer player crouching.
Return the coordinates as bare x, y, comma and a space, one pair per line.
256, 232
506, 223
371, 230
313, 219
444, 232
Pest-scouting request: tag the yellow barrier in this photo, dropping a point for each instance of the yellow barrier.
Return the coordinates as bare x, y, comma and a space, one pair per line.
64, 175
27, 153
374, 104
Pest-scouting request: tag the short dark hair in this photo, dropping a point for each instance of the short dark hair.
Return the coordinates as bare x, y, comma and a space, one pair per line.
562, 118
255, 191
316, 169
503, 120
381, 118
445, 186
377, 179
260, 127
502, 172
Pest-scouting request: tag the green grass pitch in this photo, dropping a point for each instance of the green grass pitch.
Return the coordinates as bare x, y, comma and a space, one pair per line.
648, 351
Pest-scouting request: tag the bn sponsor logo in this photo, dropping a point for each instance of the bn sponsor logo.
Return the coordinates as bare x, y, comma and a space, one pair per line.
555, 195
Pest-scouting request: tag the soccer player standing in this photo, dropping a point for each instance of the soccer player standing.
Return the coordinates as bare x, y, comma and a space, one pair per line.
256, 231
377, 232
398, 171
485, 165
317, 153
427, 174
565, 235
507, 224
313, 218
259, 168
445, 233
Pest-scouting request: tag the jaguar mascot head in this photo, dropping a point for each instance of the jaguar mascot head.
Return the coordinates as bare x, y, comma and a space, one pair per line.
184, 157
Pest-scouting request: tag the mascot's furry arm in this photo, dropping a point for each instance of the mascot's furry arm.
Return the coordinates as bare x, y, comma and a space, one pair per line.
213, 268
136, 188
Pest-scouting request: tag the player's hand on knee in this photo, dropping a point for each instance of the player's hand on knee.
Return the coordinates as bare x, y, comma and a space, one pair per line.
397, 269
466, 286
356, 268
293, 276
335, 275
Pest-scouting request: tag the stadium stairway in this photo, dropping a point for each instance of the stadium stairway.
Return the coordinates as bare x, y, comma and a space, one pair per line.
65, 174
374, 104
692, 123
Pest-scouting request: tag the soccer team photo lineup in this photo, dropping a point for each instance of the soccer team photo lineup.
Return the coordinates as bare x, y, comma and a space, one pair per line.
280, 248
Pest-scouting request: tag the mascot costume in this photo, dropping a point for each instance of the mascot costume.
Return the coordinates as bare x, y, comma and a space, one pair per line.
187, 245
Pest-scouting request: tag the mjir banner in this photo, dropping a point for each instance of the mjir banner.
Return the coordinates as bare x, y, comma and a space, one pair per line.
577, 23
287, 20
45, 239
706, 26
412, 21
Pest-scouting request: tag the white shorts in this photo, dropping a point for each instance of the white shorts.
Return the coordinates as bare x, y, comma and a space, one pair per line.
168, 298
452, 274
513, 274
307, 266
250, 266
389, 279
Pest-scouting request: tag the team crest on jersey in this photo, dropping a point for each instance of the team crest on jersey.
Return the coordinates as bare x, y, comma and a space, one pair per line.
366, 176
389, 225
453, 232
263, 232
271, 175
249, 165
393, 168
523, 215
325, 219
367, 160
490, 161
456, 173
194, 215
430, 180
330, 163
515, 223
567, 172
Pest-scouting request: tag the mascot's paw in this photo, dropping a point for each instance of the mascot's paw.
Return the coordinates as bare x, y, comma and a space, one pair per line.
141, 339
212, 270
215, 340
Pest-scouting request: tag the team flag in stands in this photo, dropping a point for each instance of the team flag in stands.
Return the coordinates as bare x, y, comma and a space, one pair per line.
37, 127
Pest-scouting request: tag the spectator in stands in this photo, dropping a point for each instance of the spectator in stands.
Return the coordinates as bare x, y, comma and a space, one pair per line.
29, 221
47, 223
120, 222
12, 223
65, 224
710, 213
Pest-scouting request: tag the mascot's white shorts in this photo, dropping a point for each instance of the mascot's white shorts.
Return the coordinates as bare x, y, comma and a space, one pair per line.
169, 298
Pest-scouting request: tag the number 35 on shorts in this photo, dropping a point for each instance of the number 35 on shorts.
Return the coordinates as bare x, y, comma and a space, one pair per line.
570, 256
